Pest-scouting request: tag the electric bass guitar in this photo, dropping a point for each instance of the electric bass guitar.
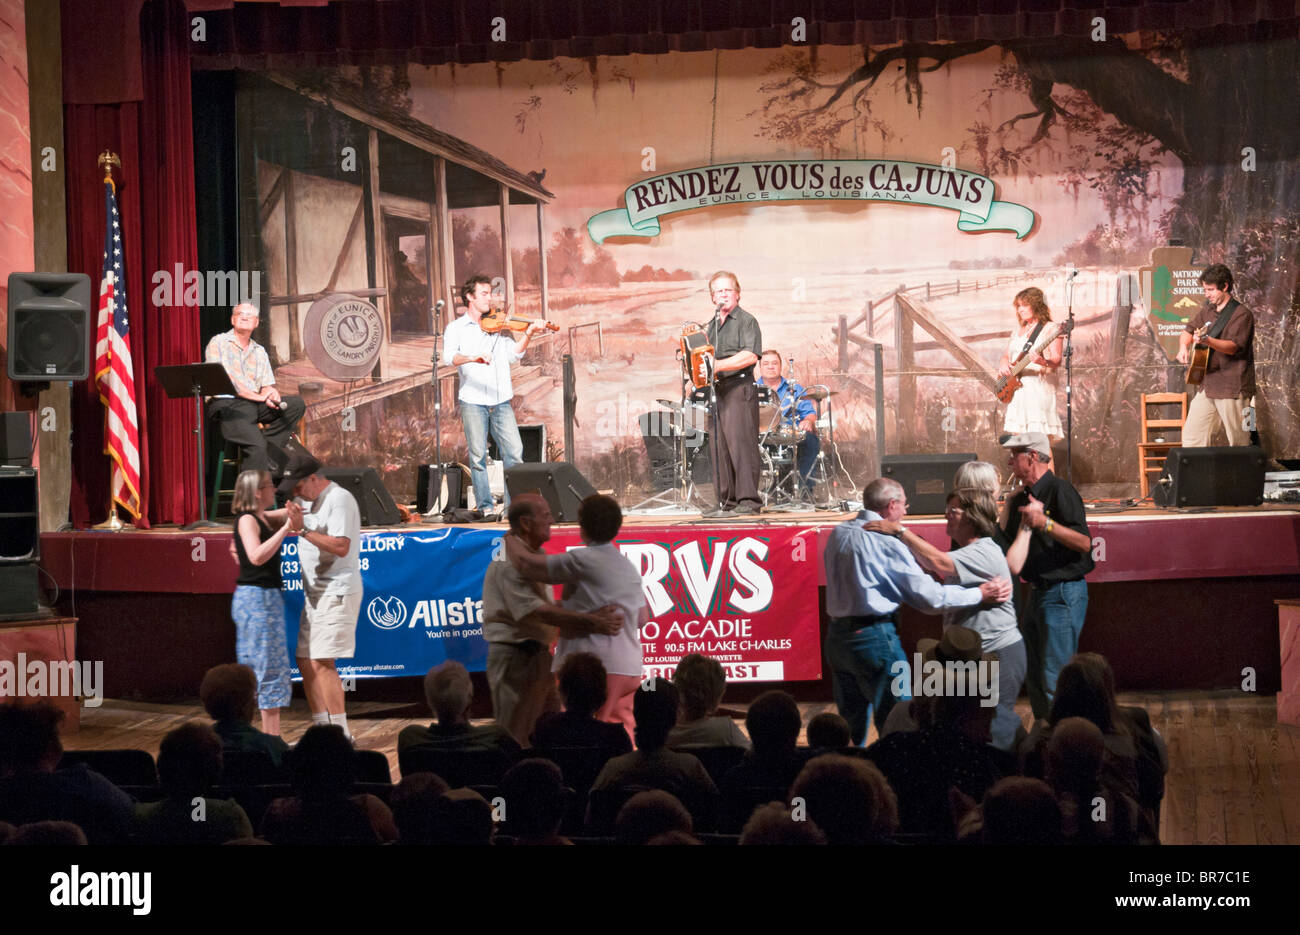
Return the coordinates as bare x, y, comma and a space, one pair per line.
1006, 387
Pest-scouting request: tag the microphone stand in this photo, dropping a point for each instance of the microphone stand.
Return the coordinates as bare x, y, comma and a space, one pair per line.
1068, 354
441, 479
710, 361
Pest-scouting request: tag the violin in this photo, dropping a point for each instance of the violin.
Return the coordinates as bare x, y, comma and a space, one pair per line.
496, 320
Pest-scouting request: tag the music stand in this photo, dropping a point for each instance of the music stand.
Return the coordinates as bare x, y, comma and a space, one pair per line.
197, 380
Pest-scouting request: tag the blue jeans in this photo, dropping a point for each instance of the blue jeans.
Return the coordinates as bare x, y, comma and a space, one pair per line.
860, 659
1051, 621
477, 420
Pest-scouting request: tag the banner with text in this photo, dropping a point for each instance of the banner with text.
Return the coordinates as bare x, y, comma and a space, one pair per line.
968, 193
748, 598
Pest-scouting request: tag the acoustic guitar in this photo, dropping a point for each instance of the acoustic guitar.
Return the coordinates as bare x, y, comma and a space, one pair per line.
1199, 359
1006, 387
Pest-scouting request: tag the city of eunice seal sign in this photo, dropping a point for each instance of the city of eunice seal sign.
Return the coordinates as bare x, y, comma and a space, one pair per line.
968, 193
344, 335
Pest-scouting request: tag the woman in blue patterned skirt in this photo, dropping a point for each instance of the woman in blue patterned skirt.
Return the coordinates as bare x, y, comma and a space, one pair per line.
258, 609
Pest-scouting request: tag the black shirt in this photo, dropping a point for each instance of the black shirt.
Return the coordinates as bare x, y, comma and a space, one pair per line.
1049, 561
739, 333
266, 575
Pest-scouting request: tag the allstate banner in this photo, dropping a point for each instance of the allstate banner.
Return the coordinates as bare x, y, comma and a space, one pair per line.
745, 597
423, 600
968, 193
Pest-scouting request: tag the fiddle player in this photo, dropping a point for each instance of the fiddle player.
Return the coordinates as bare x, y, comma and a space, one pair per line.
737, 342
796, 410
485, 387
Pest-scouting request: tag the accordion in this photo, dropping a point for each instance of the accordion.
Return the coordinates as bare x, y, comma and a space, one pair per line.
697, 354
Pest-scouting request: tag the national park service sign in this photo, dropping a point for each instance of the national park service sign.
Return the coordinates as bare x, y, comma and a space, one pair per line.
968, 193
343, 335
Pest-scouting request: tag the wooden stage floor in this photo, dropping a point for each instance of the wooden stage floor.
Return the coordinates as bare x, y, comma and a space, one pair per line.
1234, 772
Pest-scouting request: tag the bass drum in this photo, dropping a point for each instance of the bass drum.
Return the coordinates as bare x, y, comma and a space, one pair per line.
768, 476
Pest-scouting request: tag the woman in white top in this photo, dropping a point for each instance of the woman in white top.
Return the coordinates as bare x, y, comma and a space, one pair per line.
972, 524
1033, 408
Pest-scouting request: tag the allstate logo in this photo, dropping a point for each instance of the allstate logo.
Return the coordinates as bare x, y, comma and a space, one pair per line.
387, 613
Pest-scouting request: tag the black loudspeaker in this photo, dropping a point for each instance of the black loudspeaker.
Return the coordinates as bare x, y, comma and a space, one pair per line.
428, 486
20, 528
533, 438
16, 439
18, 590
377, 506
1226, 476
561, 485
657, 431
49, 326
926, 479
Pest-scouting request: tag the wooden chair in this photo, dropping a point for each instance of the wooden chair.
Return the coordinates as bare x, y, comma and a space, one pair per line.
1152, 453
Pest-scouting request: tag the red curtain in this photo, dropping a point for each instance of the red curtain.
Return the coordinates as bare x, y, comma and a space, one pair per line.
154, 138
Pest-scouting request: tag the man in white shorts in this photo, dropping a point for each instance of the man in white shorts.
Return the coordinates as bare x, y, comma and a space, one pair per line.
329, 539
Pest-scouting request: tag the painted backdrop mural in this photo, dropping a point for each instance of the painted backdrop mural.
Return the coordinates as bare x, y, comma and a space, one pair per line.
393, 185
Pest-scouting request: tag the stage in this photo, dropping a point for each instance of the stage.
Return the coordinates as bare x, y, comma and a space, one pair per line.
1179, 599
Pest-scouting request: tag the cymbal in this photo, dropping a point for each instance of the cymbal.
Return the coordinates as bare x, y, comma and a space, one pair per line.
818, 393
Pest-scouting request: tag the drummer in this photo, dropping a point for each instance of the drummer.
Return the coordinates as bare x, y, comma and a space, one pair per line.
797, 412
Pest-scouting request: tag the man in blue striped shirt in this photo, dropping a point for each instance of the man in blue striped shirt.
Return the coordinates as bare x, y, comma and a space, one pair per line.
868, 575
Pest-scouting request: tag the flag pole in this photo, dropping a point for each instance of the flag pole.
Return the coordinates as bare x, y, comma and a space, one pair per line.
107, 160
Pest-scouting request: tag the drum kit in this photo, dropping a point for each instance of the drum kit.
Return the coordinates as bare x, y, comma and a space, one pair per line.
782, 486
680, 431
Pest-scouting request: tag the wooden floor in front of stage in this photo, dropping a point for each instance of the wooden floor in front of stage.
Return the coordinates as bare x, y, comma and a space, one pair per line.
1234, 772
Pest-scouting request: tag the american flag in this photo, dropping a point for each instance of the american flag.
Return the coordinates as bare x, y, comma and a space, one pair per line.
113, 373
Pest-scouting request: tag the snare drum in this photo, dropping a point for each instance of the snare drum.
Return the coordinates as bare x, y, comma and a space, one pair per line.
786, 434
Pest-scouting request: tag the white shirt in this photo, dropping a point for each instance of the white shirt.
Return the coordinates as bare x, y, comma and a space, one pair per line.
334, 513
481, 384
603, 576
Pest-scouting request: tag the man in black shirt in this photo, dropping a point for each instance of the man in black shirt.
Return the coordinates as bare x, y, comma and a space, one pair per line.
1053, 556
737, 344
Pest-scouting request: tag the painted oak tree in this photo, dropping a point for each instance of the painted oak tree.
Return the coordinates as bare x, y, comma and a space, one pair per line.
1099, 114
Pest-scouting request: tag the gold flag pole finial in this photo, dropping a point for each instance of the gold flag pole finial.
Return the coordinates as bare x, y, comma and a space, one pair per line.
108, 161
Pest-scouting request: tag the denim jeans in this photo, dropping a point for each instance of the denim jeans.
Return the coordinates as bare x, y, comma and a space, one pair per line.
860, 660
477, 420
1011, 677
1051, 621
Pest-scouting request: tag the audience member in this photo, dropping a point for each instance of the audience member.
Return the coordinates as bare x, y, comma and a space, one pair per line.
534, 796
449, 692
1133, 761
189, 765
229, 695
414, 803
462, 817
701, 683
650, 814
847, 798
652, 765
773, 823
583, 690
922, 765
32, 788
766, 771
1017, 810
322, 809
828, 732
1093, 810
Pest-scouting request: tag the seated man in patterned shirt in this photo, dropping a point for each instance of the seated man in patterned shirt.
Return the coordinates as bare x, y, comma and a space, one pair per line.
797, 412
258, 401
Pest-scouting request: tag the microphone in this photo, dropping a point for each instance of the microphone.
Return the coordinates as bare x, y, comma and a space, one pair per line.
439, 305
791, 361
283, 404
1073, 273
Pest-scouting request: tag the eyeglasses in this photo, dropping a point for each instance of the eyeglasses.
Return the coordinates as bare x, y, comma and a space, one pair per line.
953, 511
